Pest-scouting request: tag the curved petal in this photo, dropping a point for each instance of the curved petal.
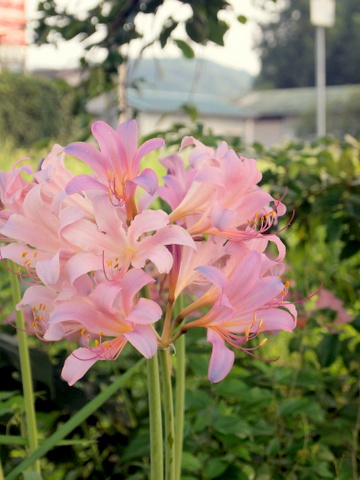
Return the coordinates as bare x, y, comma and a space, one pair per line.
214, 275
148, 180
143, 338
222, 218
222, 358
145, 312
77, 364
158, 254
128, 134
49, 270
147, 221
84, 182
109, 145
88, 154
149, 146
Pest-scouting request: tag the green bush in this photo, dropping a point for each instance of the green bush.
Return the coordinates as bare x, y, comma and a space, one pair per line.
34, 110
294, 419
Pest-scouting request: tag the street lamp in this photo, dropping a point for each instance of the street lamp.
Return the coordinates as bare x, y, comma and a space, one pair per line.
322, 15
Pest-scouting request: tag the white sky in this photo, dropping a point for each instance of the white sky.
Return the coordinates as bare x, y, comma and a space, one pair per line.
237, 53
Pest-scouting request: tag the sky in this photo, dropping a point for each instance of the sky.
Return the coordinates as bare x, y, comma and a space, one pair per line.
238, 52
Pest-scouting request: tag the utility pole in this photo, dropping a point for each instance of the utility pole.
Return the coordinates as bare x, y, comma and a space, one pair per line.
322, 15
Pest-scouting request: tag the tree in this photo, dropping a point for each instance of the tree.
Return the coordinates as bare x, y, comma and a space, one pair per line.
287, 47
117, 18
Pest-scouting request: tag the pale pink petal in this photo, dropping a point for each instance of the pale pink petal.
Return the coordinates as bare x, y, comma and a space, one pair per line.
171, 235
158, 254
49, 270
149, 146
214, 275
132, 282
77, 364
37, 295
145, 312
105, 294
266, 289
143, 338
109, 144
222, 358
84, 182
147, 221
148, 180
89, 155
81, 263
275, 319
222, 218
128, 134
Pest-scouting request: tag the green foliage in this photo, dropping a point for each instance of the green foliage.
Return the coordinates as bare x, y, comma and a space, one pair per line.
289, 38
118, 19
34, 110
296, 419
341, 118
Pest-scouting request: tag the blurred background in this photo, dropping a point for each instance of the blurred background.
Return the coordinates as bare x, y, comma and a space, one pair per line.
244, 71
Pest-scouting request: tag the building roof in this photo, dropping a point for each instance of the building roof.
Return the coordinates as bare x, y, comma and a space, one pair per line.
291, 101
254, 104
171, 102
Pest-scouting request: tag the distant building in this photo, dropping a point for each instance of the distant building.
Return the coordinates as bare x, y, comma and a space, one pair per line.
225, 103
274, 116
265, 116
12, 35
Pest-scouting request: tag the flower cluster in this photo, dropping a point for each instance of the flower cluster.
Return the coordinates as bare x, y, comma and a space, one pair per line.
106, 255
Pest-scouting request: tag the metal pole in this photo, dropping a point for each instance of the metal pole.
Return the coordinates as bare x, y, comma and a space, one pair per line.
320, 82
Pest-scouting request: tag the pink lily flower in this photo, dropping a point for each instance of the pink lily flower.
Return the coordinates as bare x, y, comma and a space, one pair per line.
223, 197
116, 165
105, 320
116, 247
247, 305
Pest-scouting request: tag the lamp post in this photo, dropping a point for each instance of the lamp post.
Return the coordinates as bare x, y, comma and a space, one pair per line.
322, 15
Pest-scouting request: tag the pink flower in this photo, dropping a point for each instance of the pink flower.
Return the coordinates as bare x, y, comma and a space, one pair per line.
326, 299
117, 165
104, 318
247, 304
115, 247
219, 194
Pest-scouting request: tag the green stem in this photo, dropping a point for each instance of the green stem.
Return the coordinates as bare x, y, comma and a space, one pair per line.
17, 440
179, 403
75, 421
25, 367
168, 415
156, 437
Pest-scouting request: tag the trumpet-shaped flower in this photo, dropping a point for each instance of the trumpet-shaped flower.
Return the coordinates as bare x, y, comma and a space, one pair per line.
223, 197
104, 319
247, 305
116, 165
118, 246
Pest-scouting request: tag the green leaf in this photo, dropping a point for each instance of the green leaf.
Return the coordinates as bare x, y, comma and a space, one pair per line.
187, 51
229, 425
231, 388
328, 349
196, 400
214, 468
31, 475
190, 463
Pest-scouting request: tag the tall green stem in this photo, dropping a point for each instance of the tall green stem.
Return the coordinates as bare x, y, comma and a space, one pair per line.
179, 403
26, 376
156, 437
168, 415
